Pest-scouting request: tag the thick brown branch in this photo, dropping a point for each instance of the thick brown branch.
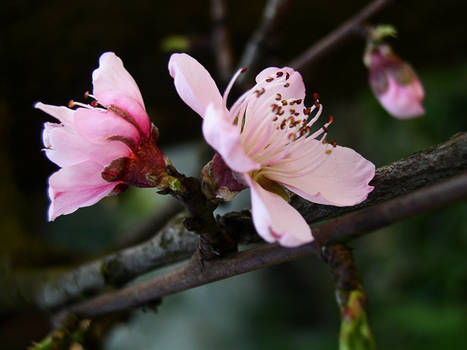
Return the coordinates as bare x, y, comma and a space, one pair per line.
337, 36
145, 229
344, 228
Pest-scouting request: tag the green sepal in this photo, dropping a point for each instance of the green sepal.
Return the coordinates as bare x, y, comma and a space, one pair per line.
273, 187
355, 333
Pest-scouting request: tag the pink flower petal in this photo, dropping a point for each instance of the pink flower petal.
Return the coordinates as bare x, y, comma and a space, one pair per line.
225, 139
111, 76
98, 126
75, 187
133, 109
194, 84
340, 178
403, 101
113, 85
276, 87
275, 219
289, 83
66, 148
63, 114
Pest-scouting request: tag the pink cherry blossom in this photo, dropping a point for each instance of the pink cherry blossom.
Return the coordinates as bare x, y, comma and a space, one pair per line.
395, 83
266, 139
103, 146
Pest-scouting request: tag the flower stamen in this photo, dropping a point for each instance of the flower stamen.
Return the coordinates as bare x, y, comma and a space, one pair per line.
231, 83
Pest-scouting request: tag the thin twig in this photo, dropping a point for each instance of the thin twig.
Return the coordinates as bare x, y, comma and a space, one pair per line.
221, 40
330, 41
273, 13
370, 219
344, 228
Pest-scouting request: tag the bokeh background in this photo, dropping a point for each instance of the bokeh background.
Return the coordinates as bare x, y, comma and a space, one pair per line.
415, 272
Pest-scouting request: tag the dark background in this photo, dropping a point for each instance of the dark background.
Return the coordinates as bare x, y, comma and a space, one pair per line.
415, 272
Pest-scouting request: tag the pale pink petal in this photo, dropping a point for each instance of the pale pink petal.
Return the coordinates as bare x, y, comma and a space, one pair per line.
339, 178
112, 77
66, 148
63, 114
225, 139
194, 84
275, 219
403, 101
78, 186
285, 81
134, 110
98, 126
113, 85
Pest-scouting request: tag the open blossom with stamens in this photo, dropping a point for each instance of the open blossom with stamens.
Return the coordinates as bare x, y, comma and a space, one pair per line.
103, 146
394, 83
266, 139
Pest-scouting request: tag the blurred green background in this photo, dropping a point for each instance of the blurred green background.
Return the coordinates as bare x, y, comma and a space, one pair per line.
415, 272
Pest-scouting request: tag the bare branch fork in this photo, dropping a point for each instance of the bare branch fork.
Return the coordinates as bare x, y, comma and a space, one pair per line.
49, 289
342, 229
347, 227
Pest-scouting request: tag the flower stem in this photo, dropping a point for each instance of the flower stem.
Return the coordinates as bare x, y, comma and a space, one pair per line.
355, 333
214, 241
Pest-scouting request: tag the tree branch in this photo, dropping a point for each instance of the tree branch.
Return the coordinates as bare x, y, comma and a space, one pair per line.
221, 40
214, 241
333, 39
144, 230
175, 243
272, 15
347, 227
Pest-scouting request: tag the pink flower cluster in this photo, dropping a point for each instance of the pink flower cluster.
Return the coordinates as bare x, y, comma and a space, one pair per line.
103, 146
266, 140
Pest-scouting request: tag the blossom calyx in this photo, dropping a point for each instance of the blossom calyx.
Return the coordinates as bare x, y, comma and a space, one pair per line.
144, 167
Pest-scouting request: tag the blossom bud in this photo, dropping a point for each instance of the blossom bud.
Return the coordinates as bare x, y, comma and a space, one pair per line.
394, 82
219, 181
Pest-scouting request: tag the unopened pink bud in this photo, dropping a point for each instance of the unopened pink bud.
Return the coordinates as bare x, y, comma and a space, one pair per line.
220, 181
394, 83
